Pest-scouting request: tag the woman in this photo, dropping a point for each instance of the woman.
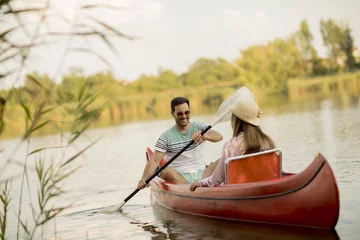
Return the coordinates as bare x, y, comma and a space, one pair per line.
247, 138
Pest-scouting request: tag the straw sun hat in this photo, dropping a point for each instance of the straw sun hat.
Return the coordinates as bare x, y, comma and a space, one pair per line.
246, 108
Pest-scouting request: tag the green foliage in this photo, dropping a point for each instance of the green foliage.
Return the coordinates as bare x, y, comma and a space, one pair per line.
348, 49
35, 106
311, 62
49, 180
144, 83
318, 67
324, 86
35, 83
101, 80
4, 2
166, 79
334, 38
50, 175
2, 108
269, 66
207, 71
70, 86
5, 200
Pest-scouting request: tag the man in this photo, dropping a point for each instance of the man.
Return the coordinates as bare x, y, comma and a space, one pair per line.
189, 166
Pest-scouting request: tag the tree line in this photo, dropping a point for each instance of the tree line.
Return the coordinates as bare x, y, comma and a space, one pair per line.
267, 66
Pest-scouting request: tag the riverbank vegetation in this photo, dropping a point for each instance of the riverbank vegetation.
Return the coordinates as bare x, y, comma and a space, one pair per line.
31, 183
284, 68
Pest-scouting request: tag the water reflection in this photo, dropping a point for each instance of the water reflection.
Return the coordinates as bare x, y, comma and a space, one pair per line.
176, 225
113, 167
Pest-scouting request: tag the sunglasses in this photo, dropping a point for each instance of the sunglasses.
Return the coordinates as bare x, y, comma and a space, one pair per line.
180, 114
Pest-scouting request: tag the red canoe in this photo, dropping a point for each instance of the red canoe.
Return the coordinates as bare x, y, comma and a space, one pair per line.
309, 198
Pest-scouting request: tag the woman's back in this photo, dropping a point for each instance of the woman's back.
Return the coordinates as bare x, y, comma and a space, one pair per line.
236, 146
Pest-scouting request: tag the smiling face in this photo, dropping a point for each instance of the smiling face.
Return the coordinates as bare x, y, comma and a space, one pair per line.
181, 115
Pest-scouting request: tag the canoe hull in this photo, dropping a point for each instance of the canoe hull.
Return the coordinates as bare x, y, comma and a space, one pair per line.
308, 199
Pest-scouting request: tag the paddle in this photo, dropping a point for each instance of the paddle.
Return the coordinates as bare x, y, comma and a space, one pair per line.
223, 114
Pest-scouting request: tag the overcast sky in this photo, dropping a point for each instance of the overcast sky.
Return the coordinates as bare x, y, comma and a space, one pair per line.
173, 34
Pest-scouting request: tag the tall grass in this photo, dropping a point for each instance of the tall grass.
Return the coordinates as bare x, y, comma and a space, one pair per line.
38, 112
299, 89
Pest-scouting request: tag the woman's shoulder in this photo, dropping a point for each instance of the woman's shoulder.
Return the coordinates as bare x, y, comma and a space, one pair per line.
236, 141
234, 146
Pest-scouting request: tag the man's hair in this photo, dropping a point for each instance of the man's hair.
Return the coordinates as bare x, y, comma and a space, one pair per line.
177, 101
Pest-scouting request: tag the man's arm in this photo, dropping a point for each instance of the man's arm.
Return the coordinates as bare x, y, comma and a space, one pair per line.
213, 136
150, 168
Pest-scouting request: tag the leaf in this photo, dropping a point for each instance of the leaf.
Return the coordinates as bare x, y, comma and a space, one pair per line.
39, 169
78, 133
52, 195
40, 126
3, 75
49, 217
59, 179
39, 197
110, 45
34, 80
102, 6
3, 34
24, 226
10, 56
2, 109
25, 10
88, 116
117, 32
49, 109
89, 100
88, 33
5, 50
78, 154
82, 90
26, 109
45, 148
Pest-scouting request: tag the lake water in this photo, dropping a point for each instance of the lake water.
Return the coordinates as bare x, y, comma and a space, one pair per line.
111, 169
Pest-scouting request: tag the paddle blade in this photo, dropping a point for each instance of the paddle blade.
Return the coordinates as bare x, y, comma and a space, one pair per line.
113, 208
224, 112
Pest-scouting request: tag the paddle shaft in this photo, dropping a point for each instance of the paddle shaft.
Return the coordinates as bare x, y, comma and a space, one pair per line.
166, 164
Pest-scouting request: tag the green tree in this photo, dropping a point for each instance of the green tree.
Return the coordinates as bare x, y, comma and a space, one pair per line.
270, 66
312, 63
101, 79
349, 49
207, 71
144, 83
71, 85
39, 87
167, 79
334, 38
318, 67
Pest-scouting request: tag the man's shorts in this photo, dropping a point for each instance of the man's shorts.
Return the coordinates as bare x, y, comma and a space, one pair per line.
194, 176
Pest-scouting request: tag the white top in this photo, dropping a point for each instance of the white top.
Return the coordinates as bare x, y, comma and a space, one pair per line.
172, 141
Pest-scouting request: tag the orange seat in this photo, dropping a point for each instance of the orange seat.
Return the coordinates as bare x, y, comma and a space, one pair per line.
253, 167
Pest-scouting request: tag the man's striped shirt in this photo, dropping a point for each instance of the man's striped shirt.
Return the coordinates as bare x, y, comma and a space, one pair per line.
173, 141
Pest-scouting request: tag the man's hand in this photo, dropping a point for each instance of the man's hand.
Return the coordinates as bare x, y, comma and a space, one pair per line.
198, 138
194, 186
142, 184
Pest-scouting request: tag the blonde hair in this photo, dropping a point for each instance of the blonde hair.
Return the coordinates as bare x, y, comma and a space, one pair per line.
254, 137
